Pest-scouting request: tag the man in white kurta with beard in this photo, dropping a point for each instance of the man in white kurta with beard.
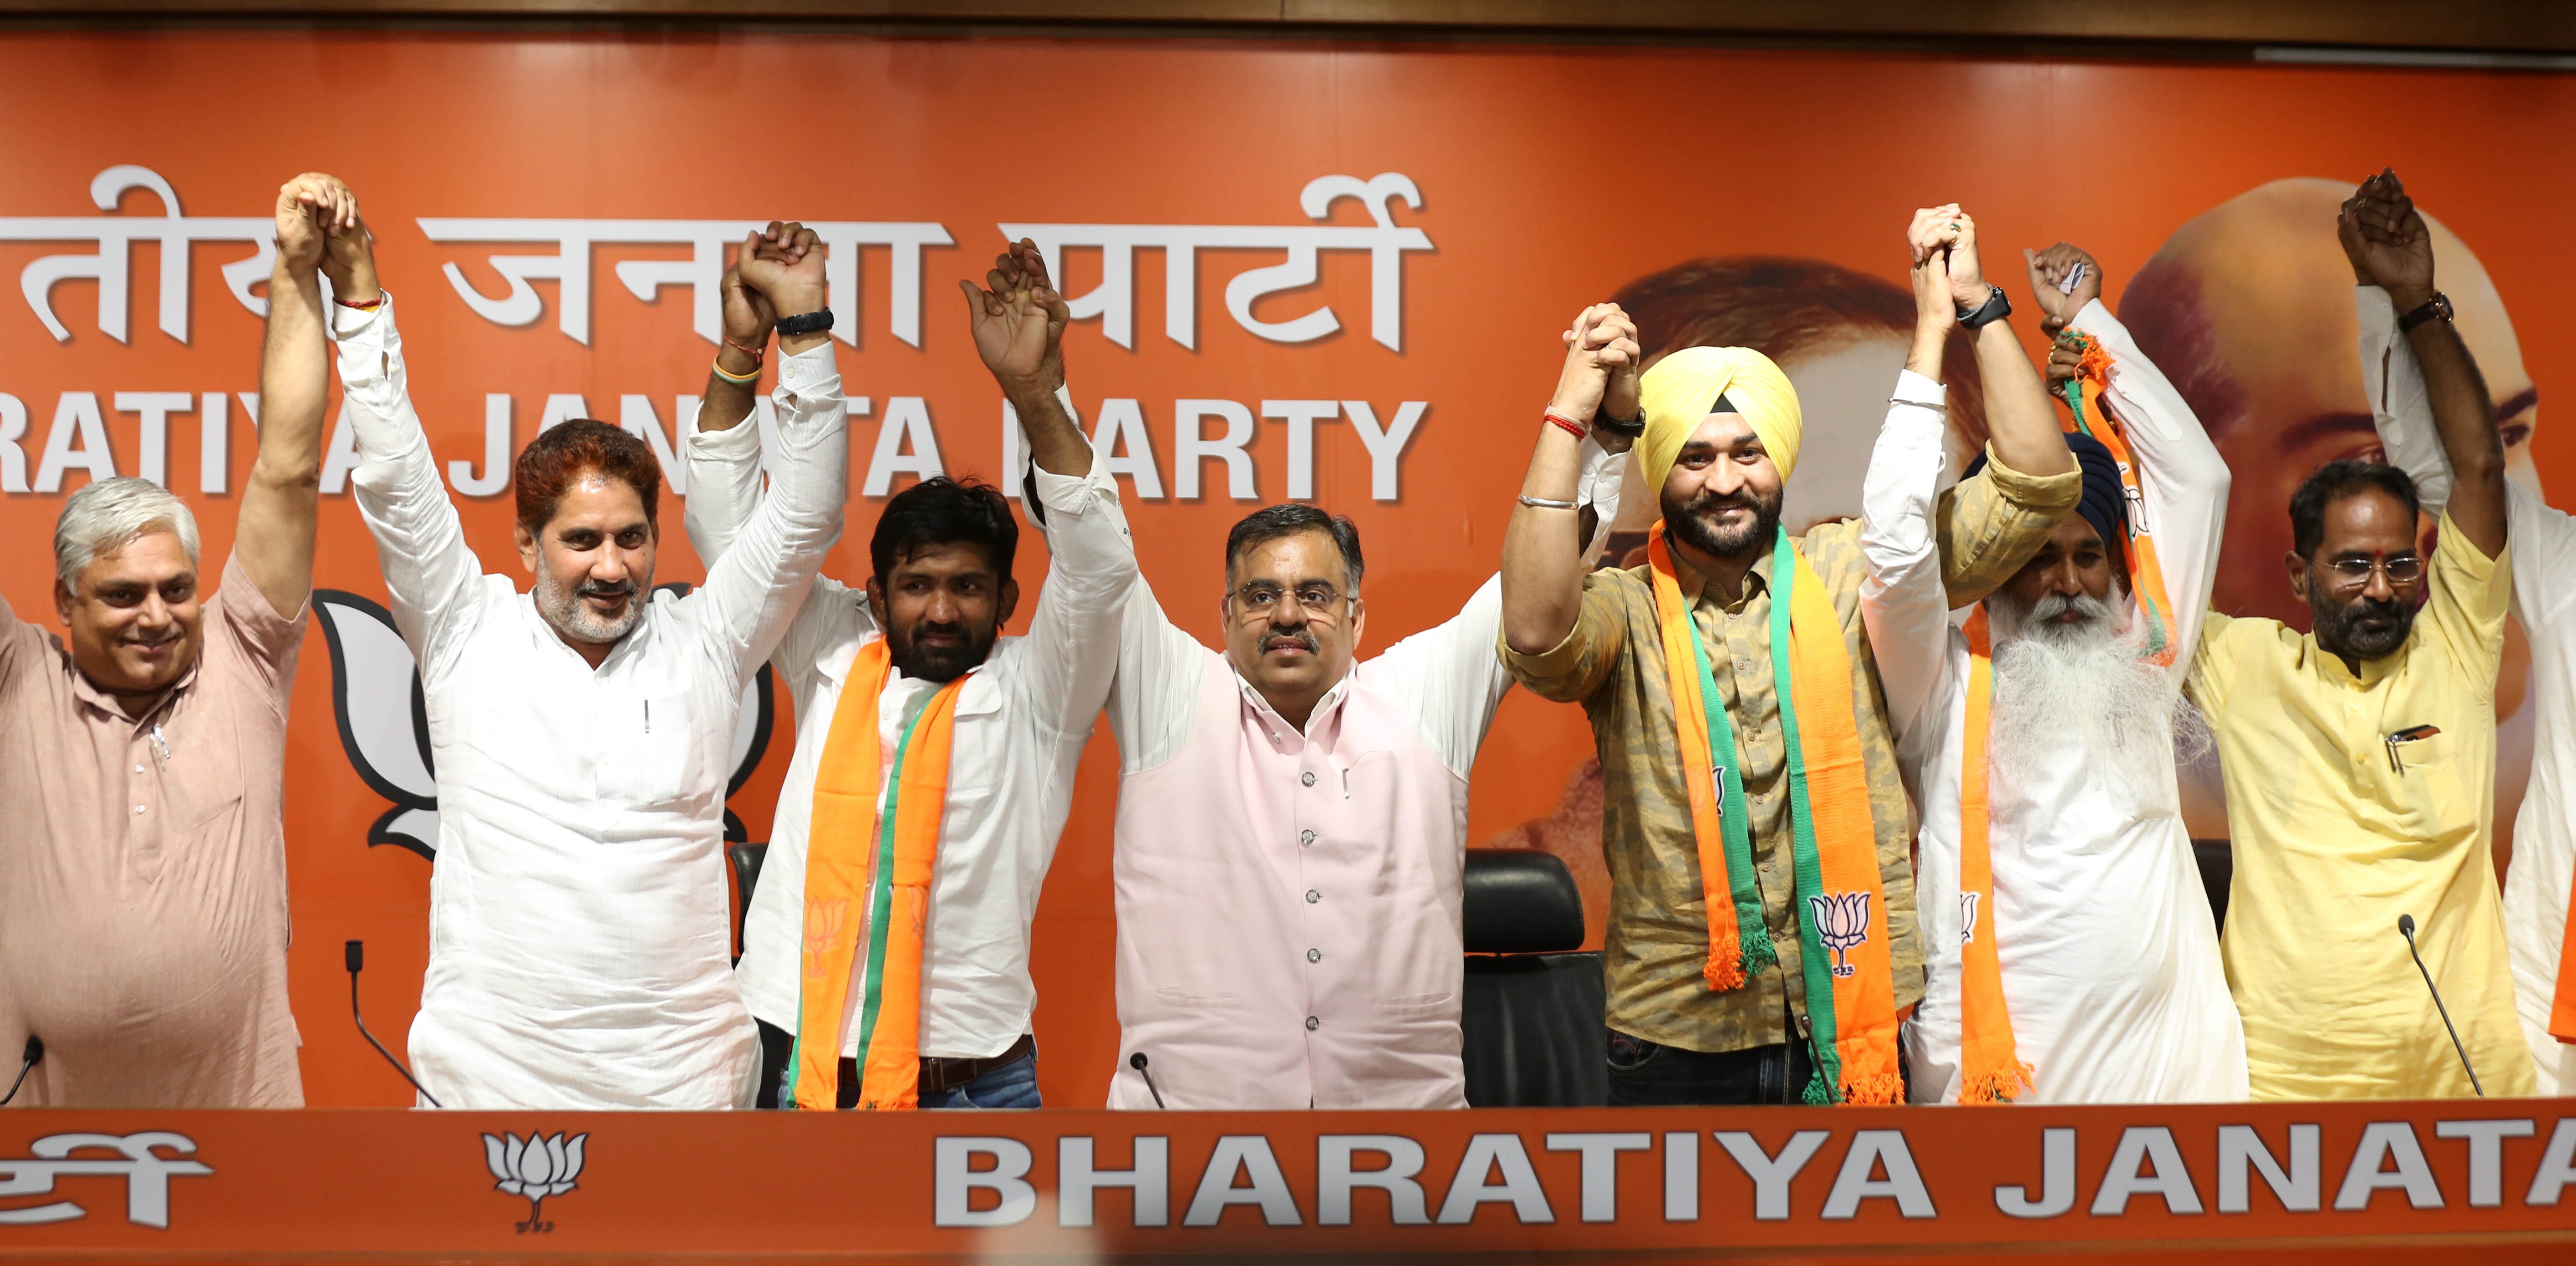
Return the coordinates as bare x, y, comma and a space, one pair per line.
579, 939
2072, 958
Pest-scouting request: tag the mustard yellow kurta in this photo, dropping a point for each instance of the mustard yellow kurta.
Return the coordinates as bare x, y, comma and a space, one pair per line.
2332, 844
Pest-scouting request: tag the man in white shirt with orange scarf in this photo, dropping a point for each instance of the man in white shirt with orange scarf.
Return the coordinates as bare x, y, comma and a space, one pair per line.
929, 751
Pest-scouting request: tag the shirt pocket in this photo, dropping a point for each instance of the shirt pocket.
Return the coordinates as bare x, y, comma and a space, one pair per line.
2433, 801
204, 786
648, 750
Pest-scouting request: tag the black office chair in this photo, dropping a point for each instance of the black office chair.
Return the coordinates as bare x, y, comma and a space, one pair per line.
1534, 1032
746, 860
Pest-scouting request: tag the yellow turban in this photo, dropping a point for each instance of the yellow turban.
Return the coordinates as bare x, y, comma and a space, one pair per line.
1677, 394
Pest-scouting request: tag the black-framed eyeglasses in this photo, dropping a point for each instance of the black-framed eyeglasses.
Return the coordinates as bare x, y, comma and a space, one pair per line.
1319, 601
2401, 569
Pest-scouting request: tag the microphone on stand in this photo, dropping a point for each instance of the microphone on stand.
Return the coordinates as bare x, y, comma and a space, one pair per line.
2406, 928
35, 1055
356, 955
1137, 1062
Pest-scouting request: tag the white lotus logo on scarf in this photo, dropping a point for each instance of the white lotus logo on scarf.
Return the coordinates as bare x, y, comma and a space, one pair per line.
536, 1167
384, 719
1842, 923
1968, 918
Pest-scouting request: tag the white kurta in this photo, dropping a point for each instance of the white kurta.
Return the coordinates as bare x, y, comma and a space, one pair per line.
2108, 952
2537, 881
1022, 719
579, 926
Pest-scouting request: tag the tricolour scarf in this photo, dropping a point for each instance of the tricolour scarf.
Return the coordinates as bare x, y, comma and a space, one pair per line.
851, 856
1842, 927
2146, 575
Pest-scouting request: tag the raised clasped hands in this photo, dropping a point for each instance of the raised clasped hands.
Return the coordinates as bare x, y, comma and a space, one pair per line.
2063, 279
319, 227
783, 262
1602, 365
1951, 234
1018, 321
2387, 241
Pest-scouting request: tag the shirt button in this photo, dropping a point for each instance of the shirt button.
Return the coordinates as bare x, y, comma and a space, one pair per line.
1313, 1024
1306, 837
138, 769
138, 808
1314, 956
1312, 896
1307, 778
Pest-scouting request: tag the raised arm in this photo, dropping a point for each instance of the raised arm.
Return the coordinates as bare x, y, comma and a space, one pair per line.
1018, 325
274, 535
2396, 247
1902, 601
2181, 475
757, 584
429, 572
723, 456
1543, 545
2022, 430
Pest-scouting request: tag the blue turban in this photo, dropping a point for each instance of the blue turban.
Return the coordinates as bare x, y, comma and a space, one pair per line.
2106, 499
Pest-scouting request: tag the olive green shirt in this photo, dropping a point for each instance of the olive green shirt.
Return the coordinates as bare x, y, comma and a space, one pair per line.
1613, 663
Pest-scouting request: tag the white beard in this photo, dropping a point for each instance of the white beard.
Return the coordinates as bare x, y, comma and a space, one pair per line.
2084, 687
568, 614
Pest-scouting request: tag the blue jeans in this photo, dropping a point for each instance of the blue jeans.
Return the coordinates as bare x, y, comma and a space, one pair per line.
1644, 1073
1013, 1085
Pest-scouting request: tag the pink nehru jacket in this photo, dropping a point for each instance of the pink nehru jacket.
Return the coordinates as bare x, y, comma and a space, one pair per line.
1289, 905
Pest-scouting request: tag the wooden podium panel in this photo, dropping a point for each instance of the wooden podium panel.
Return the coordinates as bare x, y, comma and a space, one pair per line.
2326, 1182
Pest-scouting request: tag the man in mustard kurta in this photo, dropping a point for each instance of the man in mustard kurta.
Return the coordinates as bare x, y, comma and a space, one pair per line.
2360, 757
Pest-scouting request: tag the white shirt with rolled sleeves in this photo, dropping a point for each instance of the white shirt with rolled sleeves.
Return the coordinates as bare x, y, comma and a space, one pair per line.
2108, 954
1022, 719
580, 937
2544, 585
1290, 903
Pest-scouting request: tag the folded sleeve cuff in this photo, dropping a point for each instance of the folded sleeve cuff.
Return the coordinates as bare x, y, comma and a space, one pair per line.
735, 443
1555, 661
1914, 388
2052, 493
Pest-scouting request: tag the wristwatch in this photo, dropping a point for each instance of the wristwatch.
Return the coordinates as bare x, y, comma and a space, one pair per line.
2437, 307
1629, 427
1995, 308
814, 322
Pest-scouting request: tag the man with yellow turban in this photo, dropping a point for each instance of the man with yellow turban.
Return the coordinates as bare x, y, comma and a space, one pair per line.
1744, 741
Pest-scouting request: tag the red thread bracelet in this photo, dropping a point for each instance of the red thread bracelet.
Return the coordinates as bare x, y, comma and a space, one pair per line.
756, 355
1572, 427
369, 306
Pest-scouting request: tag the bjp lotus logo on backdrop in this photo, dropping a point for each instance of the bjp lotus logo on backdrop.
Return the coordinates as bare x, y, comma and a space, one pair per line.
536, 1167
384, 719
1842, 923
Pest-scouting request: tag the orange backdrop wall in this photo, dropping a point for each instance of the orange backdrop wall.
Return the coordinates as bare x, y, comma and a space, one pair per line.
1547, 177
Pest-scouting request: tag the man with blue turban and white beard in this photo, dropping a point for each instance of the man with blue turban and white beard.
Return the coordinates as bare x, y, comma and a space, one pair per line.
1761, 945
2070, 952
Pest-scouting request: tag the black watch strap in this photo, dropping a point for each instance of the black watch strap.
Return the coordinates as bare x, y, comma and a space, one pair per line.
1995, 308
814, 322
1630, 427
2437, 307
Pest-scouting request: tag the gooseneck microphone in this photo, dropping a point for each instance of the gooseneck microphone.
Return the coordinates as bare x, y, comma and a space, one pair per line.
1137, 1062
2406, 928
35, 1055
356, 954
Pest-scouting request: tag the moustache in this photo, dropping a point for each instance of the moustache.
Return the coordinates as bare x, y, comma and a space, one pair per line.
932, 628
606, 589
1290, 637
2374, 611
1707, 502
